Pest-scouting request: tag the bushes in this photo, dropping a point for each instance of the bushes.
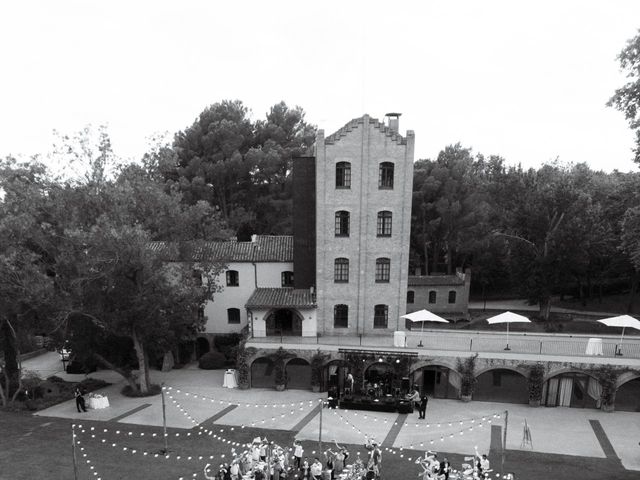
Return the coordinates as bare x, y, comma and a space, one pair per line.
212, 361
228, 346
154, 389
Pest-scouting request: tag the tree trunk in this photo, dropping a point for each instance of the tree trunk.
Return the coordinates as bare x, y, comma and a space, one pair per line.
10, 347
143, 371
435, 257
426, 258
125, 373
545, 308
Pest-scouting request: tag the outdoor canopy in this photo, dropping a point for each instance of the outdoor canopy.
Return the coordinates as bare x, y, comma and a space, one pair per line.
423, 316
623, 321
508, 317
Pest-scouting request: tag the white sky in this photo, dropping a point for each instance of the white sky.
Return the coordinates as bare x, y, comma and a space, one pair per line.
524, 80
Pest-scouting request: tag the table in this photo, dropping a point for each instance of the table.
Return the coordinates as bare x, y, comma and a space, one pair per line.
230, 380
98, 402
594, 346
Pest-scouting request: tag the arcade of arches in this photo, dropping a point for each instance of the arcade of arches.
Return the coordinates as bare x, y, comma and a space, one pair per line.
496, 382
284, 321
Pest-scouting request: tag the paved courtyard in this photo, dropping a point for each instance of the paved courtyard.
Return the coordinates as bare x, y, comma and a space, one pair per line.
195, 395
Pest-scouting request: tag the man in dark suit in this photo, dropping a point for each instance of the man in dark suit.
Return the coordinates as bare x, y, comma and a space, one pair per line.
423, 405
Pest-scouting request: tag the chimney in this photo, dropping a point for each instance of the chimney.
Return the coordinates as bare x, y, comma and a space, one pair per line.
393, 121
254, 238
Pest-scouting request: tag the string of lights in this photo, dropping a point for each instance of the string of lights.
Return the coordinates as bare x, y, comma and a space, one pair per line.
228, 402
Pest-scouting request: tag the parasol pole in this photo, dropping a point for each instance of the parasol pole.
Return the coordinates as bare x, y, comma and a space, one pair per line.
621, 338
507, 347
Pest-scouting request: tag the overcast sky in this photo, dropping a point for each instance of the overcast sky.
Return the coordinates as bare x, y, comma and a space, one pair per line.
524, 80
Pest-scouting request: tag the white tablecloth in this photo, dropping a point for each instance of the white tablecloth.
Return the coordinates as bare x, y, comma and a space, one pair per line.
594, 346
230, 379
98, 402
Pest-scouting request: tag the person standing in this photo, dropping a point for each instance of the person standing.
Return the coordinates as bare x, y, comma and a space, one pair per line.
423, 405
80, 403
316, 469
414, 398
297, 453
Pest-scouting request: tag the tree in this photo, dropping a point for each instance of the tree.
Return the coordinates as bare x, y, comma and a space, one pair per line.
26, 282
627, 98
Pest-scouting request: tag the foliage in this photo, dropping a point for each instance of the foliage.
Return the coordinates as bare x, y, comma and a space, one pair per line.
212, 361
240, 167
244, 354
317, 363
536, 381
627, 98
228, 345
607, 375
467, 368
279, 357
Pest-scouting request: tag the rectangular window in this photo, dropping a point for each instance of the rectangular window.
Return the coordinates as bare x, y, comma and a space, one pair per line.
381, 315
341, 270
233, 315
342, 224
233, 279
341, 316
287, 279
383, 269
384, 224
411, 296
385, 176
343, 175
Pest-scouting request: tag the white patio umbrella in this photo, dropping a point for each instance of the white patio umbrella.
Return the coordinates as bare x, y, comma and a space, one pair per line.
423, 316
623, 321
508, 317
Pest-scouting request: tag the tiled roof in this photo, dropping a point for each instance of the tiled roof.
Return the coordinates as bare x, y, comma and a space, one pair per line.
435, 280
281, 297
266, 248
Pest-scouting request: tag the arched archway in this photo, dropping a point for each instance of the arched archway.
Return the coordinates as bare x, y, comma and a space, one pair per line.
628, 396
437, 381
284, 321
571, 388
202, 346
298, 374
262, 373
502, 385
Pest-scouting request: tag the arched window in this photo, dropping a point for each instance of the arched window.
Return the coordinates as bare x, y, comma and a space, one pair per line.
341, 270
411, 295
233, 315
287, 279
343, 175
342, 223
383, 268
233, 279
384, 224
385, 175
452, 296
432, 296
380, 316
341, 316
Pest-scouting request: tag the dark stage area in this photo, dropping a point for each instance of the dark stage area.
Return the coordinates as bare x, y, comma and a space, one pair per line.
383, 404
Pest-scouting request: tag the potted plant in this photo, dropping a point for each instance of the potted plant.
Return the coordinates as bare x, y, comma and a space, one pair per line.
536, 381
279, 357
317, 362
466, 369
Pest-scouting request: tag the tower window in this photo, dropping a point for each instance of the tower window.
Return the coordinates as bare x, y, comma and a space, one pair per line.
452, 296
343, 175
233, 315
341, 316
432, 296
287, 279
342, 223
384, 224
383, 267
341, 270
233, 279
380, 316
385, 177
411, 295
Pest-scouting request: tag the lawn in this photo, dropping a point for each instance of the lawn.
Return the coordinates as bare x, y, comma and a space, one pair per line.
40, 447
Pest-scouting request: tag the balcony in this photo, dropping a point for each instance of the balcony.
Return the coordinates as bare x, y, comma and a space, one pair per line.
530, 347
